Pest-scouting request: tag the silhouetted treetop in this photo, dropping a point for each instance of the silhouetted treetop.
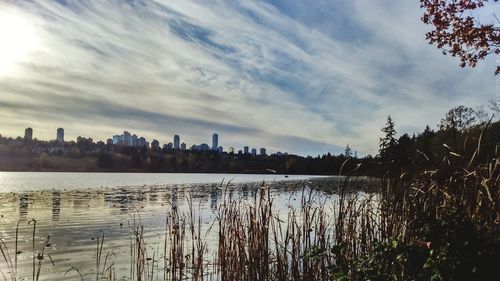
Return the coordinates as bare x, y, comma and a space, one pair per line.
459, 118
388, 141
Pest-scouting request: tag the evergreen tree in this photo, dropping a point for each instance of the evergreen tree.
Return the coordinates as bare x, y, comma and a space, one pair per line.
424, 140
348, 151
388, 142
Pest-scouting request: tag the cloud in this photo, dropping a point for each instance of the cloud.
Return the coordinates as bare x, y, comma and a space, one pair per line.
298, 76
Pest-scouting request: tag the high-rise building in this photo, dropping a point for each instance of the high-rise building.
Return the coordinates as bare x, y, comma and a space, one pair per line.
135, 140
28, 134
215, 142
130, 140
117, 139
263, 151
201, 147
109, 142
245, 149
254, 151
183, 146
177, 142
127, 138
60, 135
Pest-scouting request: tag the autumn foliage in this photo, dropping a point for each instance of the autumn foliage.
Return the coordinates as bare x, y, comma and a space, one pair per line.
458, 32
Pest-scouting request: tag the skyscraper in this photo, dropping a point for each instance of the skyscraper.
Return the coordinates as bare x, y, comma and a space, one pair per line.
254, 151
183, 146
117, 139
127, 138
28, 134
177, 142
245, 149
135, 140
263, 151
60, 135
215, 142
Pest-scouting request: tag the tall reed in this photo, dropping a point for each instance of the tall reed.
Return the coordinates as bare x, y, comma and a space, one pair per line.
395, 232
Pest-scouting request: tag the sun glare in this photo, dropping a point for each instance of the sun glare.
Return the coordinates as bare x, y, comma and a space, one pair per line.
17, 39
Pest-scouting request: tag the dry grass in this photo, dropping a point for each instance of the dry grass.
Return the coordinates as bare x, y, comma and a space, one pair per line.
256, 242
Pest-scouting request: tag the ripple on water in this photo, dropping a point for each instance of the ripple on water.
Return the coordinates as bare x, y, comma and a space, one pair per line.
76, 219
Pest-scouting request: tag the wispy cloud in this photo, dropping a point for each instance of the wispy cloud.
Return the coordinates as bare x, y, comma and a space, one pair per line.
307, 77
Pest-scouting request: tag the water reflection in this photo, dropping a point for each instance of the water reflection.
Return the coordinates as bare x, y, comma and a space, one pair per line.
153, 197
23, 206
73, 218
81, 199
175, 197
213, 198
244, 192
56, 205
122, 199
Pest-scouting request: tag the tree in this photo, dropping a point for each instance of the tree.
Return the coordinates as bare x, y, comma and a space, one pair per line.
459, 118
348, 151
403, 151
495, 106
424, 140
105, 161
457, 32
388, 142
482, 116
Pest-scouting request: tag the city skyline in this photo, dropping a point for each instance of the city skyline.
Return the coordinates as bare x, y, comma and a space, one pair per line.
306, 77
132, 139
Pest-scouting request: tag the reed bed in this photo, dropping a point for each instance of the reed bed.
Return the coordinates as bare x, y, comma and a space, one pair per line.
412, 229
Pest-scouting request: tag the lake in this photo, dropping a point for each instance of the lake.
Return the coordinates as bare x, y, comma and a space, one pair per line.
75, 209
32, 181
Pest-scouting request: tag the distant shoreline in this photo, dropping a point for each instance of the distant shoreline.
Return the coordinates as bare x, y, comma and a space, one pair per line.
163, 172
91, 164
40, 156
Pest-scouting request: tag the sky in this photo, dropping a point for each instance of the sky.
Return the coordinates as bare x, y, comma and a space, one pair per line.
307, 77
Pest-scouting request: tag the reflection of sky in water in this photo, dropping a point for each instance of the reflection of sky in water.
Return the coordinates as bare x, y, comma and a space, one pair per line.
74, 219
29, 181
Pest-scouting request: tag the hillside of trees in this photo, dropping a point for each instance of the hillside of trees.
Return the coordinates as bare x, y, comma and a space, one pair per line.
457, 134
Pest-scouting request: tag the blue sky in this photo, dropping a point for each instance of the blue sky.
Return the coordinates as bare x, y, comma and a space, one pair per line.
306, 77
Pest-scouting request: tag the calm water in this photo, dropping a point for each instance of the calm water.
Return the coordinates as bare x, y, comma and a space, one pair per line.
76, 208
29, 181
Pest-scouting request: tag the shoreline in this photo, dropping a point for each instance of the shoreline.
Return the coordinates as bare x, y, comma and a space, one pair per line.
82, 182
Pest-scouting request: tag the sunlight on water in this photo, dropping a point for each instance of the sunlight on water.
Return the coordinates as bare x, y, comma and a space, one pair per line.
75, 217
